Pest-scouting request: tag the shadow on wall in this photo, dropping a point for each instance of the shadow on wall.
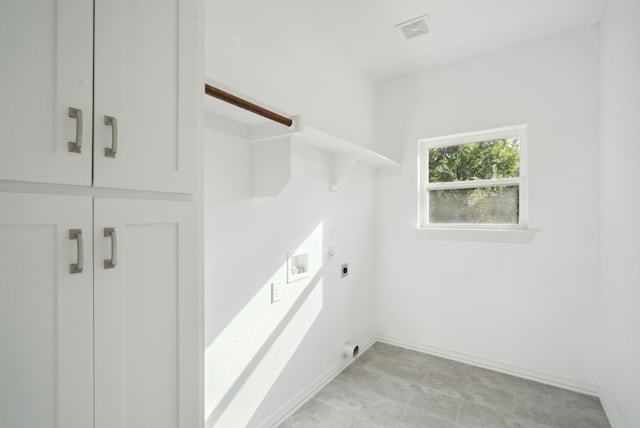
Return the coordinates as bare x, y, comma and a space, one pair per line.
243, 362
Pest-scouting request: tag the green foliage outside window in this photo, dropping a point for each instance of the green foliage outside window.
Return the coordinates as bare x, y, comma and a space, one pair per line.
486, 160
475, 161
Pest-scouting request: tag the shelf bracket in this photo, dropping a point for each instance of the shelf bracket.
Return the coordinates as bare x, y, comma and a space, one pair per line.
342, 164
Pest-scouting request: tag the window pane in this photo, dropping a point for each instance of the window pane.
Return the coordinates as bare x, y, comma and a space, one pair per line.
486, 205
484, 160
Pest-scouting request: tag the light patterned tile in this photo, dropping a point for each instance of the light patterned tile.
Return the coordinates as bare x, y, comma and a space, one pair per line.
414, 418
365, 358
384, 349
361, 423
362, 403
581, 402
396, 389
316, 414
587, 420
341, 395
433, 363
483, 395
381, 410
473, 416
417, 396
393, 367
359, 375
547, 413
586, 408
415, 357
531, 391
495, 379
453, 385
557, 415
393, 387
440, 405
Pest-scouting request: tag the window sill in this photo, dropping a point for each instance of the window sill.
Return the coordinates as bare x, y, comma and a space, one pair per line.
488, 235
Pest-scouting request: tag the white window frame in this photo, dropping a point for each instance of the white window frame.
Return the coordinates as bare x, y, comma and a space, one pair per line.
473, 231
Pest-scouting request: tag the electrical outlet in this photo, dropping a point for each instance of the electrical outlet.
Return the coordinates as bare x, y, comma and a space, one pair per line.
276, 292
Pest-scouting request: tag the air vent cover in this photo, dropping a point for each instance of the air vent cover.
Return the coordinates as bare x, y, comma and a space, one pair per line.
415, 27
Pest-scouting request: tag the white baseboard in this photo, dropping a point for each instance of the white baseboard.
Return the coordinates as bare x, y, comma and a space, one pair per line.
612, 414
305, 395
550, 379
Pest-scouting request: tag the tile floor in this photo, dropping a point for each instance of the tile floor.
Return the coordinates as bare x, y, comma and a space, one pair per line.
395, 387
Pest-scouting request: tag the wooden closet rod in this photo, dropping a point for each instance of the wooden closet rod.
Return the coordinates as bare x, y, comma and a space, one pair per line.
239, 102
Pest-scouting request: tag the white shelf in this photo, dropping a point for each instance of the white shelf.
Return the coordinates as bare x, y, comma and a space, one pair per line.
346, 155
271, 145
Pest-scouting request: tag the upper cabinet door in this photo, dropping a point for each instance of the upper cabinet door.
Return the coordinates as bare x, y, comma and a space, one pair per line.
46, 311
146, 316
147, 88
46, 90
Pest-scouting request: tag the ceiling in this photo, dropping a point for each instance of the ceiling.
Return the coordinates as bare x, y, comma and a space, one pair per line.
365, 29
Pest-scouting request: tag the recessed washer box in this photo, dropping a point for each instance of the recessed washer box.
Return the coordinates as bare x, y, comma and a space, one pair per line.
297, 265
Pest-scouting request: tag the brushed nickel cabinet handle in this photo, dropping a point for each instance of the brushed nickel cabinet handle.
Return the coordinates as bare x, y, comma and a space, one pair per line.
110, 152
111, 263
76, 147
79, 265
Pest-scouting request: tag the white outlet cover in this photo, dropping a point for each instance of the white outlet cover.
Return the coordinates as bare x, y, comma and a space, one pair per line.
276, 292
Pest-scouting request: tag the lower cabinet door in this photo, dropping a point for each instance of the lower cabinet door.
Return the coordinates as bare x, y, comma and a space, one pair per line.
146, 314
46, 311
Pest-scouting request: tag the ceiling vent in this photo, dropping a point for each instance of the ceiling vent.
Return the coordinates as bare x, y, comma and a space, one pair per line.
415, 27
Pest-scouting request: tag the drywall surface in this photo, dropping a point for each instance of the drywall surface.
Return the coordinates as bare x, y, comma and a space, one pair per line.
522, 305
268, 51
259, 356
620, 230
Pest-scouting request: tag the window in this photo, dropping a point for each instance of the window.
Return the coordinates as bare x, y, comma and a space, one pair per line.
474, 180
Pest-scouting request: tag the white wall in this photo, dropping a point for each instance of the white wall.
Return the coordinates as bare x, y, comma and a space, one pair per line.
267, 51
620, 229
260, 356
533, 305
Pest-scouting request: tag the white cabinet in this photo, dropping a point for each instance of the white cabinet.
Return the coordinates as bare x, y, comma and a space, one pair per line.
110, 346
46, 49
146, 78
144, 89
146, 318
131, 323
46, 313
